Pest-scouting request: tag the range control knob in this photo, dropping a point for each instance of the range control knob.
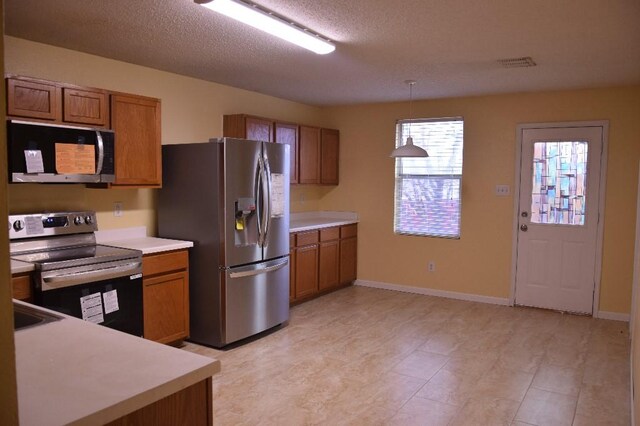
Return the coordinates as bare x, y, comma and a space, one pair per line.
88, 220
78, 220
18, 225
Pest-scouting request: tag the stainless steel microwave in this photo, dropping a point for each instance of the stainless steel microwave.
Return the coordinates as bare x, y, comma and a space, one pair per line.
47, 153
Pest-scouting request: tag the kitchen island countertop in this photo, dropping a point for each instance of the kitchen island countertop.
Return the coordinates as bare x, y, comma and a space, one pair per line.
74, 372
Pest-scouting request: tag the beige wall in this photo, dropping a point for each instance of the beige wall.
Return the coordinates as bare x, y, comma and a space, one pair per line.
192, 111
480, 262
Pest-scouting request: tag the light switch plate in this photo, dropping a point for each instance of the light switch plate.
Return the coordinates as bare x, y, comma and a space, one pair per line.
503, 190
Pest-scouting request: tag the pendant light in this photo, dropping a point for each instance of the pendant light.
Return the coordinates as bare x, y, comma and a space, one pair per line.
409, 149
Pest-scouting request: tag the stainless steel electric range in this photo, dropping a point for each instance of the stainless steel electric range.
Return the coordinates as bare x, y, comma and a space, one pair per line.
76, 276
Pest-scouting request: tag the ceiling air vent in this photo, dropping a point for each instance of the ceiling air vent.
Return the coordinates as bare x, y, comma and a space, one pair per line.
523, 62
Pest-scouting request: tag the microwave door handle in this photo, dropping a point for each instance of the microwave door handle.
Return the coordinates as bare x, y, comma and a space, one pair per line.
100, 152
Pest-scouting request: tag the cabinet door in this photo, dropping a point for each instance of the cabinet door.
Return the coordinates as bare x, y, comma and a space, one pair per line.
330, 147
166, 307
136, 122
33, 99
292, 268
329, 262
259, 129
348, 260
85, 107
306, 271
288, 134
309, 156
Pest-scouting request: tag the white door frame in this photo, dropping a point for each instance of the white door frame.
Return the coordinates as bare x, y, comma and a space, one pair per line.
603, 184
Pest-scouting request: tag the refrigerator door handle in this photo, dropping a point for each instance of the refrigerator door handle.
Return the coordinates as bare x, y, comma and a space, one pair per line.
259, 271
258, 198
267, 198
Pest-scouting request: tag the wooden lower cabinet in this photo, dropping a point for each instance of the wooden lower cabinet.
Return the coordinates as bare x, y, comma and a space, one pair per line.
21, 284
329, 268
165, 281
306, 271
322, 261
190, 406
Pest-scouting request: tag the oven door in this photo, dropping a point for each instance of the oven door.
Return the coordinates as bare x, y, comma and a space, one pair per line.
108, 294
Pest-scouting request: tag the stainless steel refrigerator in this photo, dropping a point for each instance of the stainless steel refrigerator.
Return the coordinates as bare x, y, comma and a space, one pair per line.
231, 198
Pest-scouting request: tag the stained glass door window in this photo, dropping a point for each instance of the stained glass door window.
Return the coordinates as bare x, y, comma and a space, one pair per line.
558, 194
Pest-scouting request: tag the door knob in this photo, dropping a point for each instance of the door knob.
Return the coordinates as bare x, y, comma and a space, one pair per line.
524, 227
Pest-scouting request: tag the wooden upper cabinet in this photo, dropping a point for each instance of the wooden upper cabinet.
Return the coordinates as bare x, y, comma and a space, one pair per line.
330, 147
309, 156
85, 106
57, 102
136, 123
287, 133
243, 126
33, 98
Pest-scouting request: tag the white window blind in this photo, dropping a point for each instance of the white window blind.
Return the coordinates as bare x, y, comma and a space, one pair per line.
427, 195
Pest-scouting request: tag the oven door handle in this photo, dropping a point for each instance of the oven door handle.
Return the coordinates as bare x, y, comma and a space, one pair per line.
94, 275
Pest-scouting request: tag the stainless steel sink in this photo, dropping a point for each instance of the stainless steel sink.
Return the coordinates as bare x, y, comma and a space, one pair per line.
26, 316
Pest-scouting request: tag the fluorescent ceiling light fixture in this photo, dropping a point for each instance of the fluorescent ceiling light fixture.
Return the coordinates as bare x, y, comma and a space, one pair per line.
268, 22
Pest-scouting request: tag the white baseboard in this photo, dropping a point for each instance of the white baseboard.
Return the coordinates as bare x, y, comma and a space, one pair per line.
432, 292
616, 316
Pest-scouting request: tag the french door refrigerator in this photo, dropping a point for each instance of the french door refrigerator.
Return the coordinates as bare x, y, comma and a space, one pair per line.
231, 198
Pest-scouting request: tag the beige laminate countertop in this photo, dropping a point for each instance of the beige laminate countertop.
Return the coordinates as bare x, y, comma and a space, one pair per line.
74, 372
18, 267
314, 220
136, 238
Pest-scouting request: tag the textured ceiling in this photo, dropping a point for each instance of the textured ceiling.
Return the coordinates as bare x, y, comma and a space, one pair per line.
449, 46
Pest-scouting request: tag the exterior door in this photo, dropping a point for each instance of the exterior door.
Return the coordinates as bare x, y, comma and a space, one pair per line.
558, 217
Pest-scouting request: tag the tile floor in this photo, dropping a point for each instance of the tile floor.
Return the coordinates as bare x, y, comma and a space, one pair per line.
368, 356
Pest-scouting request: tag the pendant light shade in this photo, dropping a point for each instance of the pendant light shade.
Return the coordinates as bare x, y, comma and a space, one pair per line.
409, 149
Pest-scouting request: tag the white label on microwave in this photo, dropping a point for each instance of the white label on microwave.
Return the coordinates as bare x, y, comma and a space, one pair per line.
277, 194
91, 307
110, 299
33, 225
33, 158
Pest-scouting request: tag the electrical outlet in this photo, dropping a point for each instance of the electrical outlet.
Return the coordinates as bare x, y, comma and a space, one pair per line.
432, 266
503, 190
117, 209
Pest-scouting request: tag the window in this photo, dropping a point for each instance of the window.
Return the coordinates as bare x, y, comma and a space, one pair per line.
427, 196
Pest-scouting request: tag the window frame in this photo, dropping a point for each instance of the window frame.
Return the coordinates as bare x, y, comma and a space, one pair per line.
400, 176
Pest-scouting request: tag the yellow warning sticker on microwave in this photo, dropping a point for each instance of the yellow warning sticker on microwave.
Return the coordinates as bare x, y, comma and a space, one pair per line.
75, 159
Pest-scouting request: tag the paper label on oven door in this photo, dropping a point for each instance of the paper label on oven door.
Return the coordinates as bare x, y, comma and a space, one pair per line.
277, 194
33, 159
33, 225
91, 307
110, 299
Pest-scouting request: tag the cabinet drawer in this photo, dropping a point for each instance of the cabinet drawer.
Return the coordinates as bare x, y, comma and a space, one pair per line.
328, 234
348, 231
21, 287
292, 240
164, 262
306, 238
